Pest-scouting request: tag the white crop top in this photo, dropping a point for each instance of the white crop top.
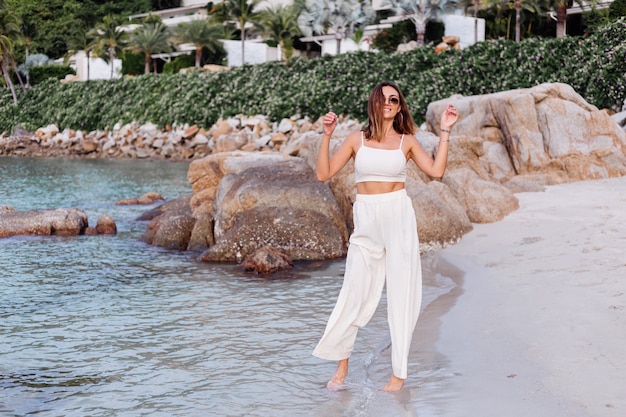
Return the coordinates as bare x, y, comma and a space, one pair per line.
380, 165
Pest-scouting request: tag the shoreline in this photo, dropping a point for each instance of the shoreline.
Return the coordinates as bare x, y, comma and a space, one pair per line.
537, 323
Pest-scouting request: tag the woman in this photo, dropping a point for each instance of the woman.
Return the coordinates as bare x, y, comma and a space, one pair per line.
384, 244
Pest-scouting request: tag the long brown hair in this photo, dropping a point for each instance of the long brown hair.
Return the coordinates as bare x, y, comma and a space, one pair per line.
403, 122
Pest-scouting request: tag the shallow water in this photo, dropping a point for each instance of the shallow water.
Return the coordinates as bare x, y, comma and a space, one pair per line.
109, 326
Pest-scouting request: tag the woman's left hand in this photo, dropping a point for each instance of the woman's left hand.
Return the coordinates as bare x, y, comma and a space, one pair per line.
449, 117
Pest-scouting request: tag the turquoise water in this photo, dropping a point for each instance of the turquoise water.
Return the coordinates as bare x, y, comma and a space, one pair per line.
109, 326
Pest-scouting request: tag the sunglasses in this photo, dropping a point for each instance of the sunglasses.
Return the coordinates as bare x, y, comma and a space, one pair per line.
392, 100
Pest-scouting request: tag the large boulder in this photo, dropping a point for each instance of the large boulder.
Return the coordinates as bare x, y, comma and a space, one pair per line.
548, 128
256, 200
61, 222
171, 224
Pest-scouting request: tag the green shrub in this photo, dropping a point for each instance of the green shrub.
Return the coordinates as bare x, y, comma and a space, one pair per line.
178, 63
595, 66
39, 74
617, 9
133, 64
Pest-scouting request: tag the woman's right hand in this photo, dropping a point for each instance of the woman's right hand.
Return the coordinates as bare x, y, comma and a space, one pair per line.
330, 122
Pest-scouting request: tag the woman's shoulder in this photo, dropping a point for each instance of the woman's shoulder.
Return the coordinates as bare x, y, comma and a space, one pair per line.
354, 137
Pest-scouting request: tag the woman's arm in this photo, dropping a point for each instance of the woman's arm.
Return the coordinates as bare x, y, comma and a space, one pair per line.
435, 168
327, 167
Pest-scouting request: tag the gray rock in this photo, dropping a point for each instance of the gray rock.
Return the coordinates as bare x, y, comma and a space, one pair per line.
63, 222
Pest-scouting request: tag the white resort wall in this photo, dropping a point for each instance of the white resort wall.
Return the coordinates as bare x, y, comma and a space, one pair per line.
256, 52
99, 69
463, 27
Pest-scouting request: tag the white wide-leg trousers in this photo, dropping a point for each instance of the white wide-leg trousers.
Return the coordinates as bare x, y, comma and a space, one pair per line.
383, 246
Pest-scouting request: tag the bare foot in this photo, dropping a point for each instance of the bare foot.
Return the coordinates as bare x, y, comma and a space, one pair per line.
336, 383
394, 384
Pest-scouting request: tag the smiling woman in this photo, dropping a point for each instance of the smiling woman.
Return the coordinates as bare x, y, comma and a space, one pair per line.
384, 247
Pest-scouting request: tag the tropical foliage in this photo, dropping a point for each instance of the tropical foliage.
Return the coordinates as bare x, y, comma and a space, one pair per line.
594, 66
280, 24
420, 12
55, 21
109, 39
338, 17
9, 31
243, 13
202, 33
81, 41
148, 39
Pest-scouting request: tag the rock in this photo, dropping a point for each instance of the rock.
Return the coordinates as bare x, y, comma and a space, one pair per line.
149, 129
106, 225
285, 126
441, 219
190, 132
62, 222
222, 127
278, 138
200, 139
440, 47
484, 201
620, 119
548, 128
267, 260
173, 226
90, 146
451, 40
148, 198
259, 200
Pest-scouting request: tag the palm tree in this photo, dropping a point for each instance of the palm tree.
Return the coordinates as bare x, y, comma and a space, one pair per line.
9, 33
81, 41
150, 38
421, 11
202, 33
242, 12
561, 16
341, 17
109, 38
532, 7
280, 24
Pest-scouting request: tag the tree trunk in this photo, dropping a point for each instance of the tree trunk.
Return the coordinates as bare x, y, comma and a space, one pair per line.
7, 79
198, 56
27, 53
476, 4
561, 20
420, 31
420, 39
146, 64
243, 43
518, 18
88, 59
17, 74
111, 58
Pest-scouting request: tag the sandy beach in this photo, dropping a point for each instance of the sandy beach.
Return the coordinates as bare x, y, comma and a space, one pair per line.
537, 323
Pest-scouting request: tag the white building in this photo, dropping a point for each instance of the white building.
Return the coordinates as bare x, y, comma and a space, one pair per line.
98, 68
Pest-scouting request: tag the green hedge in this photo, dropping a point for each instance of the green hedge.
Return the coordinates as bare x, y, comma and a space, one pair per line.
594, 66
39, 74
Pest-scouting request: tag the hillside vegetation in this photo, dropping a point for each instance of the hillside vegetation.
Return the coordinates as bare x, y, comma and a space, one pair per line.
594, 66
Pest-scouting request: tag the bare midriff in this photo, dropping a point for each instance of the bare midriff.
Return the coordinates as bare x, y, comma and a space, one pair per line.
376, 187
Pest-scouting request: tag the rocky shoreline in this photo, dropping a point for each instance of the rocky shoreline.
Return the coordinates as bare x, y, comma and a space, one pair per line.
254, 189
148, 141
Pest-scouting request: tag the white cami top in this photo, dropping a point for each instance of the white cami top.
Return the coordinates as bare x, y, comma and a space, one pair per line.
379, 165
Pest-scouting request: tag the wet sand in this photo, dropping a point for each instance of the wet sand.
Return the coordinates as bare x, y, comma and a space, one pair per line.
537, 323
